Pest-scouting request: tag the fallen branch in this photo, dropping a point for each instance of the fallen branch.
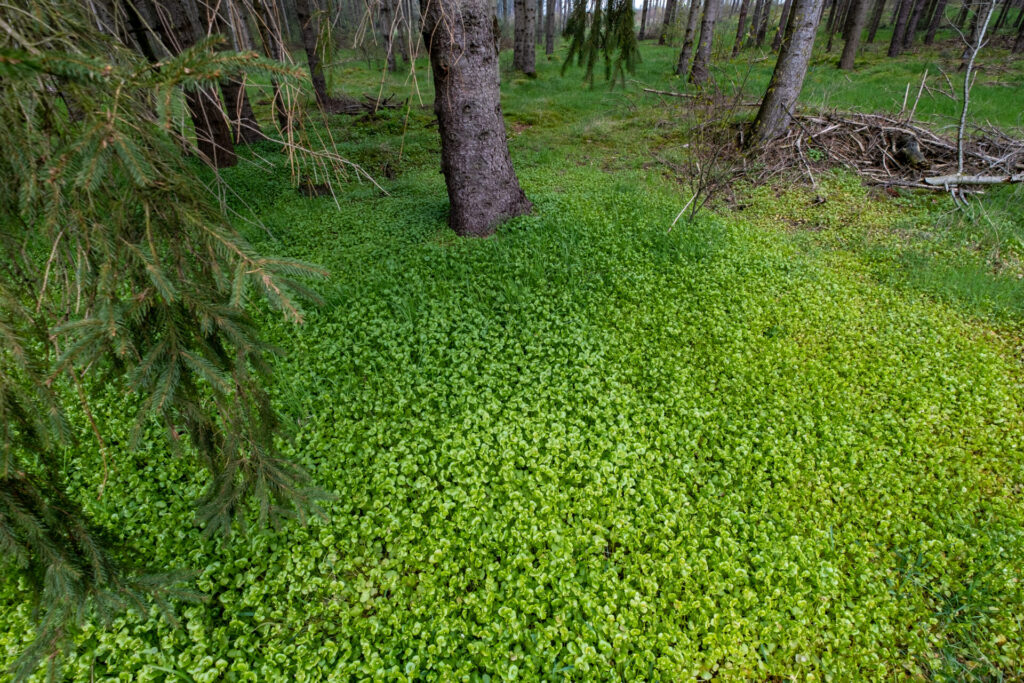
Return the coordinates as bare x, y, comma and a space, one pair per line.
951, 180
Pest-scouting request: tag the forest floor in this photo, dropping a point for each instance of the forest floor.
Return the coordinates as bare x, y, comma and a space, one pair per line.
784, 439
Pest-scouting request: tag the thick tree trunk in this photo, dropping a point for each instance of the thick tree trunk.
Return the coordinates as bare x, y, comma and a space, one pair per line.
524, 54
790, 70
683, 63
549, 29
938, 14
310, 31
854, 27
666, 24
896, 44
643, 20
482, 186
741, 27
777, 41
179, 30
244, 127
700, 73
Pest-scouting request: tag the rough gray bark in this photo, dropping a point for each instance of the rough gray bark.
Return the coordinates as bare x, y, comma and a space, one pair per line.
683, 64
896, 44
741, 27
666, 24
777, 41
524, 55
933, 26
699, 73
643, 19
854, 27
461, 40
876, 19
790, 70
549, 29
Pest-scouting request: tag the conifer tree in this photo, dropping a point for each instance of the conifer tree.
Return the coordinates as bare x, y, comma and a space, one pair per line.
118, 267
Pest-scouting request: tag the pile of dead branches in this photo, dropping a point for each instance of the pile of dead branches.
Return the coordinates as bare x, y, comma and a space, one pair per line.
891, 151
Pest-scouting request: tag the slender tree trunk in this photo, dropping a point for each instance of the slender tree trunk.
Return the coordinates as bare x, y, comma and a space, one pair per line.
666, 24
961, 18
741, 27
549, 29
483, 189
310, 31
762, 28
700, 73
896, 44
854, 27
755, 21
1018, 44
790, 70
643, 20
539, 27
777, 41
876, 19
683, 63
912, 23
1002, 15
270, 33
933, 26
387, 31
524, 54
833, 20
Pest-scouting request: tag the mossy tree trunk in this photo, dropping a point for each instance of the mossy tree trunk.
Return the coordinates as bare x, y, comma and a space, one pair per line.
790, 70
667, 19
461, 39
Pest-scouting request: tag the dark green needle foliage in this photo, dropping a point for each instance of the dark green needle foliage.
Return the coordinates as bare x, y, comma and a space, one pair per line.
118, 267
603, 32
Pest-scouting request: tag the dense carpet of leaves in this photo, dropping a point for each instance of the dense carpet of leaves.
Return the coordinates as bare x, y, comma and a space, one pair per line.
593, 448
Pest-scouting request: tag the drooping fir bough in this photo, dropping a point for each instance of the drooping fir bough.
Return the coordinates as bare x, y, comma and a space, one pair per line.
117, 266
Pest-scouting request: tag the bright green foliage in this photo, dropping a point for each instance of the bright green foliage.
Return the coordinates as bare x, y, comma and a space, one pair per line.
592, 447
118, 268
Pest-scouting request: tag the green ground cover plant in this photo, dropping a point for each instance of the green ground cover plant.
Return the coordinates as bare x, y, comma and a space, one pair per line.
784, 440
